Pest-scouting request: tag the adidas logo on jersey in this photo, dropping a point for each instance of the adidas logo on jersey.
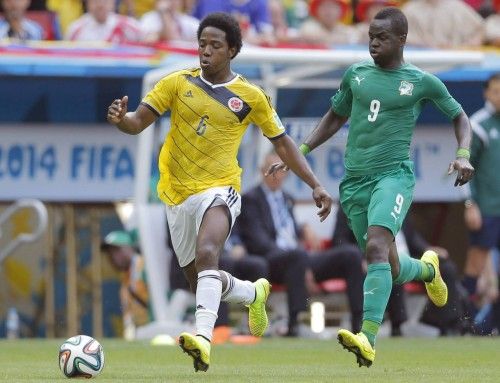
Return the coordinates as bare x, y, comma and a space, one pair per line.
188, 94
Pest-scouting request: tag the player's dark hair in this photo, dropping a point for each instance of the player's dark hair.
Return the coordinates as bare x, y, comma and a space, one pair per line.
227, 23
399, 23
493, 77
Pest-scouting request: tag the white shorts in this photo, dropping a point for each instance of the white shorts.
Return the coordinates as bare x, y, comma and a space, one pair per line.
184, 220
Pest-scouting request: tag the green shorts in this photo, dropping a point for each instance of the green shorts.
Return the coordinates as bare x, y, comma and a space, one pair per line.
377, 200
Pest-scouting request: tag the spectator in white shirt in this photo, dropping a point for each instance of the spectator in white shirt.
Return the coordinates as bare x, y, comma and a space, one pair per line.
102, 23
167, 23
325, 26
443, 24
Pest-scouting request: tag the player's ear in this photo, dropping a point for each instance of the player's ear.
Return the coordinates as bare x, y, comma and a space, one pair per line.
402, 39
232, 52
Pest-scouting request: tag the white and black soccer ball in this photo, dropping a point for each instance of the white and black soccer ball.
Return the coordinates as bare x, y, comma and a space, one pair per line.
81, 356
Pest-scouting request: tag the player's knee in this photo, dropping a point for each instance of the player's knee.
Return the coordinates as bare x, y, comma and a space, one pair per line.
206, 257
376, 250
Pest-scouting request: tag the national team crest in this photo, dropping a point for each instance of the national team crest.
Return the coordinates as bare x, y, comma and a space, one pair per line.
235, 104
405, 88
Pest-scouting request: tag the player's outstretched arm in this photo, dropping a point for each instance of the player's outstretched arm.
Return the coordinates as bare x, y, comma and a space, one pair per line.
131, 122
294, 160
330, 124
461, 164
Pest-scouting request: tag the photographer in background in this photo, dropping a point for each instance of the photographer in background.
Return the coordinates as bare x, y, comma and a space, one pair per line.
121, 247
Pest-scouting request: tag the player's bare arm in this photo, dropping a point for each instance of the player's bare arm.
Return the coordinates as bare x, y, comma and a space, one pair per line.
129, 122
330, 124
461, 164
294, 160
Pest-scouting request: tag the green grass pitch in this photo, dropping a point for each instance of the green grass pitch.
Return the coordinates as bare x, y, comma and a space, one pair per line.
465, 359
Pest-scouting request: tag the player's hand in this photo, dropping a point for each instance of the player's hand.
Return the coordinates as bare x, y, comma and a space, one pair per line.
275, 168
464, 169
323, 202
117, 110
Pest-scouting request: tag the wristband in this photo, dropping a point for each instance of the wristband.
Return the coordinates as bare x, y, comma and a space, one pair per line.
463, 153
304, 149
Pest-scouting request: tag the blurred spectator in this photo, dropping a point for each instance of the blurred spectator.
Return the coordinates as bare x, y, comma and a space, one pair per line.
492, 29
268, 228
282, 33
483, 7
296, 11
482, 210
167, 23
325, 24
14, 23
135, 8
67, 11
366, 11
122, 250
101, 23
443, 24
188, 6
253, 16
38, 5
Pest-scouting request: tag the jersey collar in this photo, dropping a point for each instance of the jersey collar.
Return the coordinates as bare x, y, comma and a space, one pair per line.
236, 75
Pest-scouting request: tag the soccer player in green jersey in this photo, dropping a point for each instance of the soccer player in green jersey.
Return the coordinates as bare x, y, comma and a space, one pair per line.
383, 99
211, 107
482, 210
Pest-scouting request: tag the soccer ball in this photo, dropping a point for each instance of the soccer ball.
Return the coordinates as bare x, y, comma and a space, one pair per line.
81, 356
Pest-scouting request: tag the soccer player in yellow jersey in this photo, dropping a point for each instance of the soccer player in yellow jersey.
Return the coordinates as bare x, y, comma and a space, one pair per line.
211, 107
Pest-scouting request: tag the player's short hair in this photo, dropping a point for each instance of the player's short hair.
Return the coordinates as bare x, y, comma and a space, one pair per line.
227, 23
493, 77
399, 23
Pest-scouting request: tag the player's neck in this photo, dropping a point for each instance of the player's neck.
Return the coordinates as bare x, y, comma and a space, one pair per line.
220, 77
393, 64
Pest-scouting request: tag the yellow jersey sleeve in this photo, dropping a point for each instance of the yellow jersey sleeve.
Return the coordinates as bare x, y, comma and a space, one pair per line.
265, 117
161, 97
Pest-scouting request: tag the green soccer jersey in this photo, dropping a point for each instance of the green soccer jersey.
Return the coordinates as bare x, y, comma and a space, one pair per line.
485, 157
383, 106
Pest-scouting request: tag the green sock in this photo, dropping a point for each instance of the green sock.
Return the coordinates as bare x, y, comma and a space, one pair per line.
376, 290
370, 329
411, 269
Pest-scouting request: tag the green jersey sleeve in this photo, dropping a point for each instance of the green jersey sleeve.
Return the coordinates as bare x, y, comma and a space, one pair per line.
436, 92
341, 101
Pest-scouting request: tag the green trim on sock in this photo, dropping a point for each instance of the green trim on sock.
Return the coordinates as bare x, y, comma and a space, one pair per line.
428, 272
379, 266
370, 329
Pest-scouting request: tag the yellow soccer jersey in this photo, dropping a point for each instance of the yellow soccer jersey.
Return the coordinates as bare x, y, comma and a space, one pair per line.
207, 124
